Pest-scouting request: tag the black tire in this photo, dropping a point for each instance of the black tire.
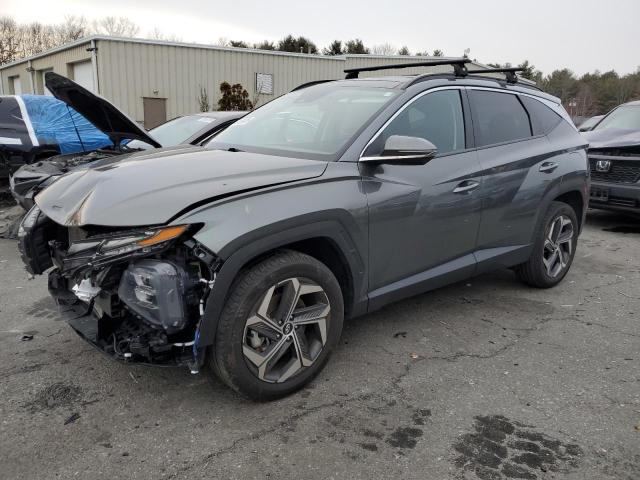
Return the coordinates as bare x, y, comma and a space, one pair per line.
534, 272
226, 358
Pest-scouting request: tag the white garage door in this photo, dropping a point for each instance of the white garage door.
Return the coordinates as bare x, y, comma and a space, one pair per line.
83, 74
15, 86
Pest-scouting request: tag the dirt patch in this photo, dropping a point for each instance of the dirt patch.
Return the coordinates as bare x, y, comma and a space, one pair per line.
54, 396
503, 449
404, 437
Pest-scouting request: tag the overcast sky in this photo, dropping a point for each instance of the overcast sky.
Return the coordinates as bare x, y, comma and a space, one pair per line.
583, 35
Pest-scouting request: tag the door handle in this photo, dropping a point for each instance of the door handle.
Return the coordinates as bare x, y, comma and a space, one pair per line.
466, 187
548, 167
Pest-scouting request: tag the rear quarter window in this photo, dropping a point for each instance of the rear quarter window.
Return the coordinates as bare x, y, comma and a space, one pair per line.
543, 119
498, 118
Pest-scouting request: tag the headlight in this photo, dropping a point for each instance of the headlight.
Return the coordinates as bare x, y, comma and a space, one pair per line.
143, 241
101, 250
155, 290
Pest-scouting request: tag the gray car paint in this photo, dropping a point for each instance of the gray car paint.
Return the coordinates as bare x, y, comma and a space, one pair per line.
399, 229
612, 138
131, 192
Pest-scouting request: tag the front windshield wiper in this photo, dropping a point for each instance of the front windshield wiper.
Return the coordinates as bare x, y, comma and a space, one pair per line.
234, 149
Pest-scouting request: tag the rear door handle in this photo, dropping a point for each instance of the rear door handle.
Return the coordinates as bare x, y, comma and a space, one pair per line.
466, 187
548, 167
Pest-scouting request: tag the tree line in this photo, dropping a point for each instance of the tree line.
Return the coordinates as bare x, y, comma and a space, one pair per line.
589, 94
586, 95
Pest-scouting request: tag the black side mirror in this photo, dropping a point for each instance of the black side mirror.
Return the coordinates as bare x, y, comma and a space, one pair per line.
403, 149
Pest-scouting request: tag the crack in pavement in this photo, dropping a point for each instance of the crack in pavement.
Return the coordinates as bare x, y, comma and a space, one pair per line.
597, 324
290, 422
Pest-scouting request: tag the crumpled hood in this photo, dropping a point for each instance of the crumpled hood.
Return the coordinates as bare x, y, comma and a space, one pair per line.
100, 112
151, 188
612, 138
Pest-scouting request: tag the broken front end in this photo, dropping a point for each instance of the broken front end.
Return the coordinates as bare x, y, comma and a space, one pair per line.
137, 294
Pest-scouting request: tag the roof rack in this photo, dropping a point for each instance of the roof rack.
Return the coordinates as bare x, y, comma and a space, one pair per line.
458, 65
509, 72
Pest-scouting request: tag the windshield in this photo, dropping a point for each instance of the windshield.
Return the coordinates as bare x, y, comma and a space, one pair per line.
626, 117
316, 122
175, 131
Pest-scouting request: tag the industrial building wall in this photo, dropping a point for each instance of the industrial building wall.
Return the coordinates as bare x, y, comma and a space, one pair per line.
61, 62
129, 72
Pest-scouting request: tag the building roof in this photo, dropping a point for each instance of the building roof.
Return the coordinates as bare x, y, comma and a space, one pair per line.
144, 41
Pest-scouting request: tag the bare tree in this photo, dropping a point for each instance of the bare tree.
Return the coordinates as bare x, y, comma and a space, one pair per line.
72, 28
35, 38
115, 26
9, 40
157, 34
383, 49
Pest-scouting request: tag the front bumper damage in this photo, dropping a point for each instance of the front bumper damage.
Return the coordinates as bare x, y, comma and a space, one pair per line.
138, 304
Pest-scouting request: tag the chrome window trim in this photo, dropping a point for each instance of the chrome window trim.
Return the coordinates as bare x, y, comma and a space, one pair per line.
401, 109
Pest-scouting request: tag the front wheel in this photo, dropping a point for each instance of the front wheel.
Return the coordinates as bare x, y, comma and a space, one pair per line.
554, 248
279, 324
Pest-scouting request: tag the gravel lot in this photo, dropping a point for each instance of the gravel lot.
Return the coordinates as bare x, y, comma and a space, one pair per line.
487, 379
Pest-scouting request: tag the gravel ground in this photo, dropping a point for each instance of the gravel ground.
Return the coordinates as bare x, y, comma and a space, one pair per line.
485, 379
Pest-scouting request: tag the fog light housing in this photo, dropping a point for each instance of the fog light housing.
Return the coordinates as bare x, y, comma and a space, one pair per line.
155, 290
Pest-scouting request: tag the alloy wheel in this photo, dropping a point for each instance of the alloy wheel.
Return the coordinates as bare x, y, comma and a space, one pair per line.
558, 245
287, 330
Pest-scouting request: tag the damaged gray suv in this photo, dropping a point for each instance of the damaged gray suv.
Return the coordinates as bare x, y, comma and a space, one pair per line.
246, 255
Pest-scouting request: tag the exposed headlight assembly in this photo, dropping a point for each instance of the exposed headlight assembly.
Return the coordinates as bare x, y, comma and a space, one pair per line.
156, 290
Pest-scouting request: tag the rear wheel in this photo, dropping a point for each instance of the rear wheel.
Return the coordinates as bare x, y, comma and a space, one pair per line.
279, 325
554, 248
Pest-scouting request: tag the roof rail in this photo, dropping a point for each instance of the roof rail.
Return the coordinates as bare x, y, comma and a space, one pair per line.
458, 65
509, 72
311, 84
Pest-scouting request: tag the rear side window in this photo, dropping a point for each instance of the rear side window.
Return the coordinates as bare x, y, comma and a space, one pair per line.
543, 119
436, 117
498, 118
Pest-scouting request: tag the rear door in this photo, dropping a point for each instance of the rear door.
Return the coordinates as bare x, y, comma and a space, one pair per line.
423, 219
517, 171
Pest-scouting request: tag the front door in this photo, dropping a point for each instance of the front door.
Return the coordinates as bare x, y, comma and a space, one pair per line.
423, 219
155, 111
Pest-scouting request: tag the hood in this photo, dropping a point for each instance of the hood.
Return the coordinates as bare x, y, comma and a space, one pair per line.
150, 188
612, 138
101, 113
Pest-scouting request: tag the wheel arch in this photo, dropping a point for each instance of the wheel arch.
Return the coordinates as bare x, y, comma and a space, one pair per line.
574, 199
327, 241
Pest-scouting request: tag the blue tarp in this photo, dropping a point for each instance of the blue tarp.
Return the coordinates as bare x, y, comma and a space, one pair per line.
56, 123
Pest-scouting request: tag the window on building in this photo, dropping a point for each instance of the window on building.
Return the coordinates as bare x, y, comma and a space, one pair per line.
498, 117
436, 117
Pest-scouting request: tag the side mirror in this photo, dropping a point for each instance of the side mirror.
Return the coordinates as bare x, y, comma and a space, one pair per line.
402, 149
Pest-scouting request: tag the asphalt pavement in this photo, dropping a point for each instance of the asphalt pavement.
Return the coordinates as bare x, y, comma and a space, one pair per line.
485, 379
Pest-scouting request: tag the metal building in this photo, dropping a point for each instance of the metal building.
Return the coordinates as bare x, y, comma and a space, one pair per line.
153, 80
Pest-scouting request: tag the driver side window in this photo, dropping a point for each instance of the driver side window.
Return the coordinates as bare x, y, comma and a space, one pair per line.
436, 117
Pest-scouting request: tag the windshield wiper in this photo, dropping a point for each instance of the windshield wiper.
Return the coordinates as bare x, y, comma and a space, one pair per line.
234, 149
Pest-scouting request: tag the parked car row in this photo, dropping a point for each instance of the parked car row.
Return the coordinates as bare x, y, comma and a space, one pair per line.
246, 252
